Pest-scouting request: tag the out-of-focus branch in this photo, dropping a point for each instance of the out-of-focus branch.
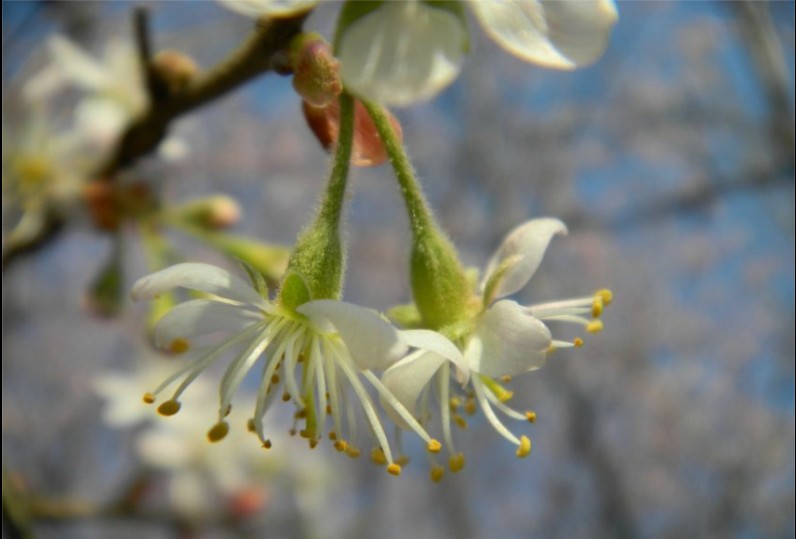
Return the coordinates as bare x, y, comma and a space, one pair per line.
688, 201
614, 506
256, 56
768, 57
253, 58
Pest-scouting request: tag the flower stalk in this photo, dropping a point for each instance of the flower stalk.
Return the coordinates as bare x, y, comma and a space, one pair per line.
315, 269
439, 284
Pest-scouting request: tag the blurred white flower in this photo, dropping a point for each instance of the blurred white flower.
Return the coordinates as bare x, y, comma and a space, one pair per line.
121, 393
113, 87
402, 52
44, 166
200, 471
333, 342
203, 478
506, 339
269, 8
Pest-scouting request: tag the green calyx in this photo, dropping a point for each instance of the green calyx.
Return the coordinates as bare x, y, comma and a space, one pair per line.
316, 266
439, 285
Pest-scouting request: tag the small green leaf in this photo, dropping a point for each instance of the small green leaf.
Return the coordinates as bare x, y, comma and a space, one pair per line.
257, 279
294, 291
406, 316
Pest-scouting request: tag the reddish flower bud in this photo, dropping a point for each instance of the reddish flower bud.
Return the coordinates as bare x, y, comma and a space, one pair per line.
316, 75
368, 149
175, 69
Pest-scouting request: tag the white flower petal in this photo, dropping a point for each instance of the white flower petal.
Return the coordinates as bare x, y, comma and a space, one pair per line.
372, 342
44, 85
78, 66
507, 342
402, 52
520, 255
407, 378
432, 341
562, 34
202, 317
100, 122
271, 8
201, 277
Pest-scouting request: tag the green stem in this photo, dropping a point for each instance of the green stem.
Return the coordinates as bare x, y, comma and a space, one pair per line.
315, 269
332, 205
420, 217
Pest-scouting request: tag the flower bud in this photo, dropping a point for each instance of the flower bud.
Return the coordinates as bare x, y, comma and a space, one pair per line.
101, 202
316, 72
175, 69
211, 213
368, 148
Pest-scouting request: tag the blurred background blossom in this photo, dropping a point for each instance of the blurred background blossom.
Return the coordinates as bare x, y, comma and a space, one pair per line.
671, 160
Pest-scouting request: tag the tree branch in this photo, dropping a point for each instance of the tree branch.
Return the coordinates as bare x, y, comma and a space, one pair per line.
256, 56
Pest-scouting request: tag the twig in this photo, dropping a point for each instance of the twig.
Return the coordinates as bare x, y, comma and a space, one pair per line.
145, 133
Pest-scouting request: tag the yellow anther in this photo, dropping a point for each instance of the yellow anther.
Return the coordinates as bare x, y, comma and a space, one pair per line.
434, 446
267, 444
505, 378
250, 426
437, 473
285, 396
328, 408
377, 456
332, 435
403, 460
313, 443
597, 306
304, 433
218, 432
456, 462
578, 342
179, 346
497, 390
470, 406
341, 445
394, 469
352, 452
606, 295
531, 417
525, 447
301, 414
460, 421
170, 407
275, 379
292, 432
595, 326
149, 398
454, 403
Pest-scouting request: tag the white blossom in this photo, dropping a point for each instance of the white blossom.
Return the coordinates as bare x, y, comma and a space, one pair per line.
331, 343
505, 339
407, 51
269, 8
113, 91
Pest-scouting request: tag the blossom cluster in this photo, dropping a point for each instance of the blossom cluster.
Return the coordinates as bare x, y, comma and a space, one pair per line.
456, 347
319, 355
